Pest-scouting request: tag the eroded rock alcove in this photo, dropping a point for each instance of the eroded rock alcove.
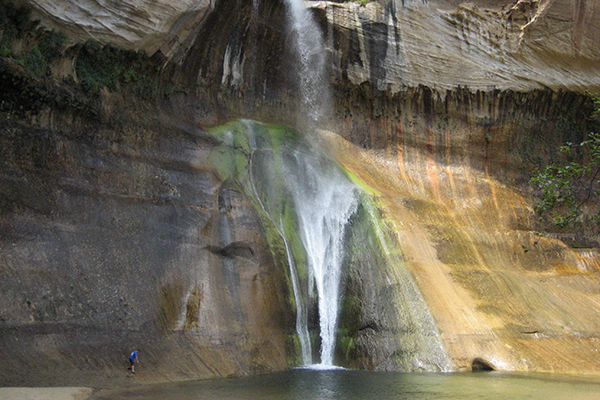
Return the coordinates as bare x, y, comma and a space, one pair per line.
113, 215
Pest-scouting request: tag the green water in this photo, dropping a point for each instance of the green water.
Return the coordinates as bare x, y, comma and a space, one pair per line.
306, 384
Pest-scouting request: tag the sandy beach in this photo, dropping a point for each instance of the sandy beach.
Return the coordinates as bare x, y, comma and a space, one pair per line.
46, 393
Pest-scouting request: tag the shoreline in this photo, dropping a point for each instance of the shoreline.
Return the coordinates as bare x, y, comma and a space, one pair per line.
46, 393
89, 393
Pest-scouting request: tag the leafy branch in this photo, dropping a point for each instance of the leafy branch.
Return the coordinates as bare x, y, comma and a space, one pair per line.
570, 187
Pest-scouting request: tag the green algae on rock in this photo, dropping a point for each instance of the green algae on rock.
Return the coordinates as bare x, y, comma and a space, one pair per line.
385, 324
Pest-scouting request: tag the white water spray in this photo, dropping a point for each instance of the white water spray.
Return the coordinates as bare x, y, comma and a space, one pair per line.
298, 177
323, 197
312, 62
324, 204
329, 230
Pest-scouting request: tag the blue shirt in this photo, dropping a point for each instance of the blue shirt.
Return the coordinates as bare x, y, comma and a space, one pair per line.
133, 356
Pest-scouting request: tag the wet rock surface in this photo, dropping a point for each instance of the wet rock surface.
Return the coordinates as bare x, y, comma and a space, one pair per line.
121, 236
499, 289
105, 249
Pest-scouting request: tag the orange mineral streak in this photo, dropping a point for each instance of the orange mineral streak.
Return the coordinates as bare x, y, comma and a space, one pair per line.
498, 290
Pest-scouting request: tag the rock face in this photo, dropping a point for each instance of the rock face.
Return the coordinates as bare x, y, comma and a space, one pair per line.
111, 244
142, 25
503, 294
442, 44
119, 236
482, 46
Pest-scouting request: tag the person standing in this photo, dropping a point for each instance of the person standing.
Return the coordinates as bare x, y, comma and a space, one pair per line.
133, 358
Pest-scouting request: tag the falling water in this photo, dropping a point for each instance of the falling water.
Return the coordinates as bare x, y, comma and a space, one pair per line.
329, 233
324, 201
310, 200
301, 306
323, 197
312, 62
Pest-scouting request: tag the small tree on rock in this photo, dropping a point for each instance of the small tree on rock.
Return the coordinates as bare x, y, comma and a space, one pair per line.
570, 189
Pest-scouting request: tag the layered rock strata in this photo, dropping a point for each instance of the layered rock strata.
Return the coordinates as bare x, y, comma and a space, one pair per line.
114, 240
134, 240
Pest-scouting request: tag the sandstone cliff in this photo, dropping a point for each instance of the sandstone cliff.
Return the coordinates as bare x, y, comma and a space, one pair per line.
142, 25
117, 231
442, 44
505, 45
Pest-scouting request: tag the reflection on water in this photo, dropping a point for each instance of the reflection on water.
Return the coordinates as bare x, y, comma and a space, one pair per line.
310, 384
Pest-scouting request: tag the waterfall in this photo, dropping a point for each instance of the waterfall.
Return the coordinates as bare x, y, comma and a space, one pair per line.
310, 201
301, 309
308, 204
323, 227
324, 200
322, 196
312, 63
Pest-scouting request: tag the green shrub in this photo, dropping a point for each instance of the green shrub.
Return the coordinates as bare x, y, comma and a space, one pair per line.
571, 183
51, 44
14, 21
100, 66
40, 46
